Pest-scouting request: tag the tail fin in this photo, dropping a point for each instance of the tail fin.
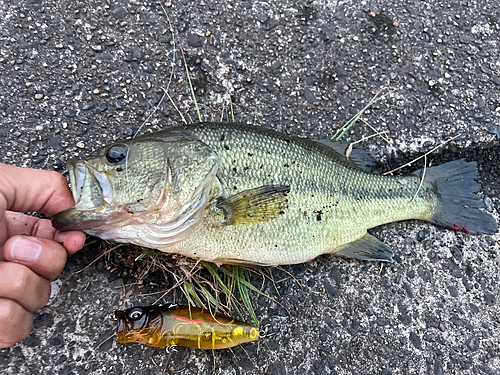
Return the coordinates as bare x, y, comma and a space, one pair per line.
459, 208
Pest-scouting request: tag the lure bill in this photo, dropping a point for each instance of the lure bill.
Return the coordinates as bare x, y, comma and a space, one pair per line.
163, 326
239, 194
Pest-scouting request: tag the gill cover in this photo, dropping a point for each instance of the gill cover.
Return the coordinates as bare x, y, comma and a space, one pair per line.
148, 191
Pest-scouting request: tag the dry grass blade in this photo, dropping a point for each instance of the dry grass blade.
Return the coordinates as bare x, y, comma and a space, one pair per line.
340, 133
351, 145
178, 283
99, 257
191, 87
176, 108
422, 179
165, 90
230, 100
377, 132
110, 337
422, 156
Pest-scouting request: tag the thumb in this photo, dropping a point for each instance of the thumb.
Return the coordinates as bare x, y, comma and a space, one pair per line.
45, 257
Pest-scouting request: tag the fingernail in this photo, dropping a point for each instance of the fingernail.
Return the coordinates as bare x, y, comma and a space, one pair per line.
25, 249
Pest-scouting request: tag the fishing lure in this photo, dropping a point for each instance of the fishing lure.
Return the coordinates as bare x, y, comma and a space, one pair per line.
163, 326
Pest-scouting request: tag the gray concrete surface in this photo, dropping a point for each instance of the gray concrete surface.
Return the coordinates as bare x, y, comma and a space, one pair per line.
76, 75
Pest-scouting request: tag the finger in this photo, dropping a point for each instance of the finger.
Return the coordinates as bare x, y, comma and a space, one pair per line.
45, 257
19, 283
15, 322
20, 224
30, 190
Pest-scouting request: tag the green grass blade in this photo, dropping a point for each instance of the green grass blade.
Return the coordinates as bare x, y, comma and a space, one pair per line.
228, 291
250, 286
210, 267
341, 132
190, 291
239, 274
242, 117
148, 253
230, 100
211, 299
192, 90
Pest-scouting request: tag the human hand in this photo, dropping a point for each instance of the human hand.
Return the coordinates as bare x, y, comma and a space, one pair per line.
32, 252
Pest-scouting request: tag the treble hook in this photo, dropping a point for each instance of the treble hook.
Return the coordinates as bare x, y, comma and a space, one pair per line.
170, 351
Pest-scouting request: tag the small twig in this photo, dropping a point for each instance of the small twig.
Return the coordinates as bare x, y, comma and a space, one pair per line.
99, 257
422, 156
222, 112
179, 282
291, 275
349, 148
177, 109
98, 346
376, 131
422, 179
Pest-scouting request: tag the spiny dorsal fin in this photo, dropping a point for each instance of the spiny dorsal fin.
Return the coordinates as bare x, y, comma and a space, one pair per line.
256, 205
366, 248
358, 158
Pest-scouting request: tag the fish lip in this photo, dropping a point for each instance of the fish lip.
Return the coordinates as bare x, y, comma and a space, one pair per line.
75, 219
75, 165
85, 215
78, 172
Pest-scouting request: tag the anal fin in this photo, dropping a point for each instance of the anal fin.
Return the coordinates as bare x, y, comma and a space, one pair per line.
366, 248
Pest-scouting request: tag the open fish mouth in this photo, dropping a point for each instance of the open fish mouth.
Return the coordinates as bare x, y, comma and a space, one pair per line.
91, 191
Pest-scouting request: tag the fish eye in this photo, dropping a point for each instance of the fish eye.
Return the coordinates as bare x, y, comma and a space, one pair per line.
116, 153
135, 314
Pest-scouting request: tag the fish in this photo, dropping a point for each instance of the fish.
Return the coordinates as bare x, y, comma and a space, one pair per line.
240, 194
164, 326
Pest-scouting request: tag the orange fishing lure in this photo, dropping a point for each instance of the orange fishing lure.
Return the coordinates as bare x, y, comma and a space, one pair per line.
182, 326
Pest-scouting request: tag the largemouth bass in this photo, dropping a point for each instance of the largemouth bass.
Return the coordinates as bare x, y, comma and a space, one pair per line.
238, 194
182, 326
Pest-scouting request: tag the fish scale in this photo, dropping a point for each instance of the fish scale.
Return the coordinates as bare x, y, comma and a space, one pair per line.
239, 194
329, 188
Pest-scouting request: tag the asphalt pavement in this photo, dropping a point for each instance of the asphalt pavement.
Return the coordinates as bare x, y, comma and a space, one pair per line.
76, 75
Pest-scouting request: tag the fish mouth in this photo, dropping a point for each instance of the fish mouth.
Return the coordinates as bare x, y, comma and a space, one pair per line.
91, 191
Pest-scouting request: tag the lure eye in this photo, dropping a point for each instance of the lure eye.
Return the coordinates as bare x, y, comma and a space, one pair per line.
135, 314
116, 153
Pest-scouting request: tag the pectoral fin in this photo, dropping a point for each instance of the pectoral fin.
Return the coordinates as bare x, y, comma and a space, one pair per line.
256, 205
366, 248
